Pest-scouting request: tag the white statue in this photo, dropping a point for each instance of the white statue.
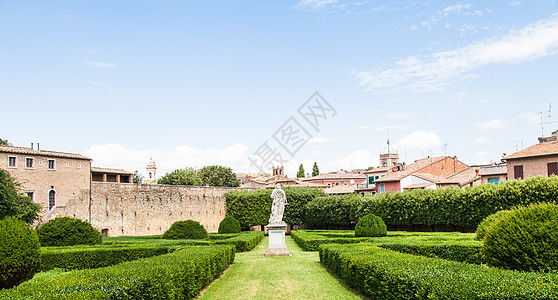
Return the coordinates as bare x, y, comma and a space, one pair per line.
278, 206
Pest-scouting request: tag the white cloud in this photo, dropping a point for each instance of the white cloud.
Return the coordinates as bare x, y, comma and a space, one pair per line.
494, 124
458, 8
429, 72
531, 117
481, 140
318, 140
419, 140
117, 156
357, 159
515, 3
98, 64
313, 4
483, 101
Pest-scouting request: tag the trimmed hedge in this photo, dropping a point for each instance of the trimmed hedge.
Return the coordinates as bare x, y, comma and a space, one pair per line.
19, 252
370, 226
66, 231
229, 225
386, 274
332, 210
76, 257
252, 208
179, 275
188, 229
244, 241
525, 239
485, 225
455, 207
310, 240
462, 251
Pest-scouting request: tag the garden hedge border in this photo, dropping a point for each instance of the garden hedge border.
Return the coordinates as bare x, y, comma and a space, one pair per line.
385, 274
244, 241
179, 275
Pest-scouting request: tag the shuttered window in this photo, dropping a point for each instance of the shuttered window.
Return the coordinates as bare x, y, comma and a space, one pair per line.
518, 172
552, 168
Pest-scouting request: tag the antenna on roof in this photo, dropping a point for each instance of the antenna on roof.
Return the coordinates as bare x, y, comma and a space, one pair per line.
549, 117
445, 148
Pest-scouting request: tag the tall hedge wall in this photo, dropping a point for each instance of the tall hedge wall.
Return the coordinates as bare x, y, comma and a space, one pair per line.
434, 207
252, 208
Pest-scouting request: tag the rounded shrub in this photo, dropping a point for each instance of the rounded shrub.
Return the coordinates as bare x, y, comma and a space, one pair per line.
66, 231
229, 225
188, 229
487, 222
370, 225
524, 239
19, 252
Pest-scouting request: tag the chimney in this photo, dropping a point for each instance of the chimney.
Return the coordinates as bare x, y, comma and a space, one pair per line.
476, 172
31, 146
38, 147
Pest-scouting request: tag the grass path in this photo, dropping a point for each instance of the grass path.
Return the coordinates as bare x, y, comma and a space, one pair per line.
300, 276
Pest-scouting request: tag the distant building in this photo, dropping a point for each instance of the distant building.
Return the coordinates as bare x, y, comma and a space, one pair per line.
332, 179
389, 162
538, 160
151, 169
111, 175
495, 173
266, 181
49, 178
424, 173
468, 177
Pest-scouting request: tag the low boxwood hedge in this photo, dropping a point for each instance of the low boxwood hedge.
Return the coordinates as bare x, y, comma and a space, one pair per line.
310, 240
244, 241
179, 275
385, 274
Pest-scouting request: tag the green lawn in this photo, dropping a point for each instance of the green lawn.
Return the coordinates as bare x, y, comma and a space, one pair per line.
300, 276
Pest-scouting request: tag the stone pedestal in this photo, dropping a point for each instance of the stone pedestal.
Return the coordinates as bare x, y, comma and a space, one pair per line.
277, 245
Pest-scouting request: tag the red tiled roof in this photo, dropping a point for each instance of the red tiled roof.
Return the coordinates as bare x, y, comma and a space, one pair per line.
380, 169
549, 148
336, 176
464, 176
29, 151
341, 189
417, 186
411, 168
110, 171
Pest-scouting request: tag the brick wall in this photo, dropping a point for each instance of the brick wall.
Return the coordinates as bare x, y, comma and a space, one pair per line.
146, 209
532, 166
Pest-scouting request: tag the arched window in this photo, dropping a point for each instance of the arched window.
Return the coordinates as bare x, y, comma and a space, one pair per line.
150, 175
51, 199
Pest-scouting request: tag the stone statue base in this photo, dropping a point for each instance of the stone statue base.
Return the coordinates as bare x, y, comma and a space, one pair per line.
277, 245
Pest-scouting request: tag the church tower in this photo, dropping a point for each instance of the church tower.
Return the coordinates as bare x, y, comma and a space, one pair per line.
151, 169
388, 157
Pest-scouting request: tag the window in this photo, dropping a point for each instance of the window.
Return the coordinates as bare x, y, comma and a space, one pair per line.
518, 172
79, 166
494, 180
382, 188
552, 168
371, 180
51, 199
12, 161
29, 163
51, 164
30, 194
67, 165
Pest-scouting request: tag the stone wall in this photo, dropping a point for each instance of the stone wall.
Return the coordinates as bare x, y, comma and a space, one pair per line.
146, 209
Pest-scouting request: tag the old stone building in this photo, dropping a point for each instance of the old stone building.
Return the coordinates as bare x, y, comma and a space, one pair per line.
50, 178
65, 184
538, 160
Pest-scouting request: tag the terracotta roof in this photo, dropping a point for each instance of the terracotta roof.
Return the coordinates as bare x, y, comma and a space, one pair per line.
464, 176
494, 170
29, 151
411, 168
336, 176
380, 169
341, 189
110, 171
429, 177
550, 148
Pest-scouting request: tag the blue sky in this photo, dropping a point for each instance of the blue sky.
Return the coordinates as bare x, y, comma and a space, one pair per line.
208, 82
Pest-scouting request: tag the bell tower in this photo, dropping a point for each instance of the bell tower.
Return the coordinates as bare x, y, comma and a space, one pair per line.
151, 169
389, 156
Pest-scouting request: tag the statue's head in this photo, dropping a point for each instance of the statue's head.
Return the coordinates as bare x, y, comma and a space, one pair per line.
278, 186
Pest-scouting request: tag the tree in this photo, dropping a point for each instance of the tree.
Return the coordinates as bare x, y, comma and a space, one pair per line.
218, 176
315, 170
300, 173
14, 204
187, 176
138, 178
4, 142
